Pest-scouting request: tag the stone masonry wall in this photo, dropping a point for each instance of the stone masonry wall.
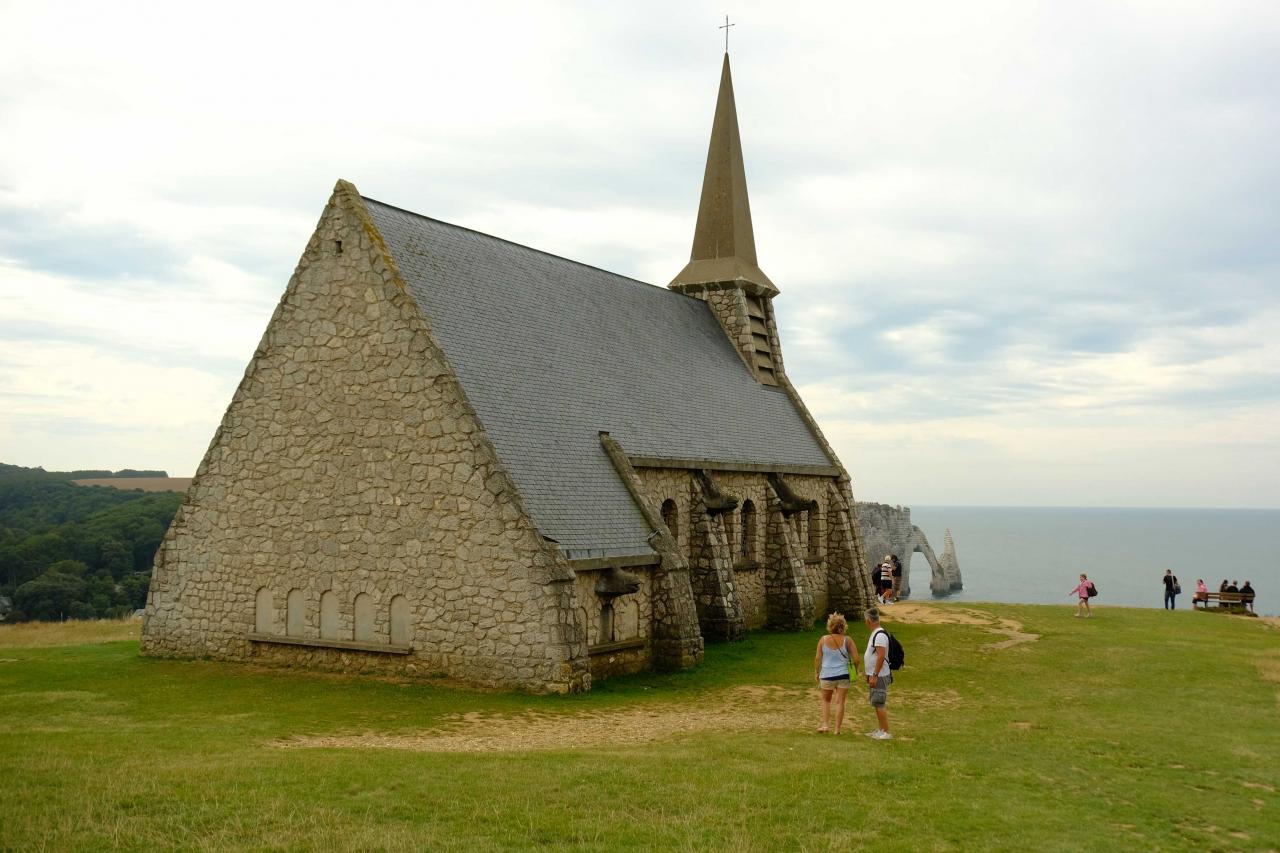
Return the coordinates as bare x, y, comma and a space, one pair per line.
750, 553
632, 623
730, 308
349, 462
676, 642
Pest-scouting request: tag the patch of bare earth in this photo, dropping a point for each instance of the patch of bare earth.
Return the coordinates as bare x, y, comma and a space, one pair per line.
747, 708
924, 613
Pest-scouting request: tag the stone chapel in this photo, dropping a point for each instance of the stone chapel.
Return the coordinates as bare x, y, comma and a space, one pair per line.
452, 455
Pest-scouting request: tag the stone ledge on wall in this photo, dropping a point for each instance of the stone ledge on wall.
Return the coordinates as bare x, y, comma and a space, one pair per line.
346, 645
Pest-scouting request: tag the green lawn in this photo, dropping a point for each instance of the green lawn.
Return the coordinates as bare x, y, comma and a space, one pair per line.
1137, 729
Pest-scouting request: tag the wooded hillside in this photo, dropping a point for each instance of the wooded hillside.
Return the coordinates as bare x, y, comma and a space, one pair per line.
70, 551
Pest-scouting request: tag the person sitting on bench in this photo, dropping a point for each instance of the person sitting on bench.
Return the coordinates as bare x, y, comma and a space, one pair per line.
1246, 594
1202, 591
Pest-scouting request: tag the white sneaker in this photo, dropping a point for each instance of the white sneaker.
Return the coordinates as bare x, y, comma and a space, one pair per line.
881, 735
873, 733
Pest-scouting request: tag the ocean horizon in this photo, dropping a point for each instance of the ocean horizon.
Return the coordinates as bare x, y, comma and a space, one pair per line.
1034, 555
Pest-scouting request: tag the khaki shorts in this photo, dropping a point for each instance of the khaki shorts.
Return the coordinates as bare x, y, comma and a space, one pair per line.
878, 696
835, 683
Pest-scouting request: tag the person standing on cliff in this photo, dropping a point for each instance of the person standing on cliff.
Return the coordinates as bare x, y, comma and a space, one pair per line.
886, 580
1171, 590
833, 667
875, 663
1082, 592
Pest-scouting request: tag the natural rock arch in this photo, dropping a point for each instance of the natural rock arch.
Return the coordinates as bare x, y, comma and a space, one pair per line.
918, 544
888, 530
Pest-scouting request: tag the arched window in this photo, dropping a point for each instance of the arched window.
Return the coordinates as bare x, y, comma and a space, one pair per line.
329, 621
671, 517
264, 615
364, 618
296, 618
747, 530
401, 628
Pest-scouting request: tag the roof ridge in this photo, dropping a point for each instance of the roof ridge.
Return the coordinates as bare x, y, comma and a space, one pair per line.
533, 249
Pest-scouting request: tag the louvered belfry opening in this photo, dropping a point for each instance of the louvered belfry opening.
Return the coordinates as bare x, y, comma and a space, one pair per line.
762, 354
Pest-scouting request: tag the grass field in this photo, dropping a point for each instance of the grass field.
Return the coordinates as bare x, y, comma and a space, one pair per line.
1017, 728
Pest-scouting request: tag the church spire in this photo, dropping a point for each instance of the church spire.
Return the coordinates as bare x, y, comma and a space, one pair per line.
724, 246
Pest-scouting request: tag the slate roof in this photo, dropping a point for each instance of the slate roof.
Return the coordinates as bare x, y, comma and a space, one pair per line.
551, 352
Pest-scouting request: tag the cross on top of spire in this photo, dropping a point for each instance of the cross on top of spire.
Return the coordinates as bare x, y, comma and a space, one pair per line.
725, 27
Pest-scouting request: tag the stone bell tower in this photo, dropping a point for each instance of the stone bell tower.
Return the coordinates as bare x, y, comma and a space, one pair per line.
722, 268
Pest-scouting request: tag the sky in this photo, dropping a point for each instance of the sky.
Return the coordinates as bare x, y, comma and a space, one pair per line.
1028, 253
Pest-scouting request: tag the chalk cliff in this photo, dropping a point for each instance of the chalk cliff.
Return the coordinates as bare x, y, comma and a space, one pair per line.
888, 530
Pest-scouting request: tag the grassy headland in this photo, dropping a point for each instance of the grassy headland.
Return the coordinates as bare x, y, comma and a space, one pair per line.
1017, 727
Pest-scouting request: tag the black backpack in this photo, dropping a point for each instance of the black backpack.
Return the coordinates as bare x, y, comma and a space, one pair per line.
1093, 589
896, 656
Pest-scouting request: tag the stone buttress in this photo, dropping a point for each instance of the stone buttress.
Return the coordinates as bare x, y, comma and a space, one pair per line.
677, 643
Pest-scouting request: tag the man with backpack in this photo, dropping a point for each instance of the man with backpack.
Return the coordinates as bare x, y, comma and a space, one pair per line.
1171, 589
876, 665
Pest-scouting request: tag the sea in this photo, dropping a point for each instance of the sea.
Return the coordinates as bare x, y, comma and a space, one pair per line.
1034, 555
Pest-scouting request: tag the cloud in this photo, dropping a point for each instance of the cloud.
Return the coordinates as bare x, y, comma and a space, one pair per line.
1033, 239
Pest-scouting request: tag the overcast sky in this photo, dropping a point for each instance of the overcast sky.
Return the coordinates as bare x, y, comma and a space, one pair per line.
1028, 253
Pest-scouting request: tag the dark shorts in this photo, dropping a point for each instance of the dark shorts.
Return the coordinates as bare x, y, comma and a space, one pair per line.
878, 696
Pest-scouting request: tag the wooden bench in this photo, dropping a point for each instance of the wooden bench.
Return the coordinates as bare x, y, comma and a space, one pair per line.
1226, 601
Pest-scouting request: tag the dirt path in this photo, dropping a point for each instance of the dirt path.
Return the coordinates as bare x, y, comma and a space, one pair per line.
740, 709
925, 613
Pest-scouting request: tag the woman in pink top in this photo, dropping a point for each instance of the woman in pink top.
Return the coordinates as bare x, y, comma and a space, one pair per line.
1202, 591
1082, 591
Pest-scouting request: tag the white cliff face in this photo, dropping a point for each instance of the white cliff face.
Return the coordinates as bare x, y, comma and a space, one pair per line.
888, 530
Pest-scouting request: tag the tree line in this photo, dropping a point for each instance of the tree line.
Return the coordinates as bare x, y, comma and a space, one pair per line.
77, 552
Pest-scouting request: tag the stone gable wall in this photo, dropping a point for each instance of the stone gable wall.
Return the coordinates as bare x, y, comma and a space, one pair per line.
349, 461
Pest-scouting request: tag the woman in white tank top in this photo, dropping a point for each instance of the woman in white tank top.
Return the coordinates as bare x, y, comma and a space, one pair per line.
833, 664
